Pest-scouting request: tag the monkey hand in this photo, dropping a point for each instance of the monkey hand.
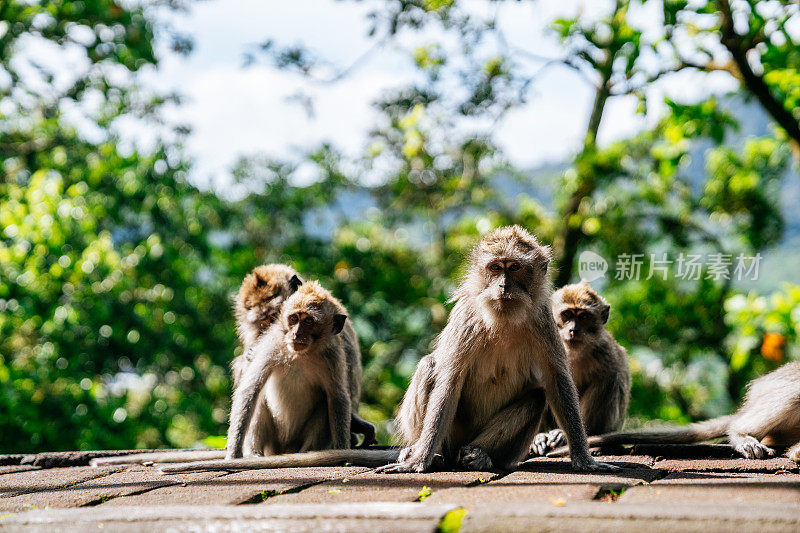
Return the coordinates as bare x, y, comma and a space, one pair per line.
544, 442
751, 448
588, 464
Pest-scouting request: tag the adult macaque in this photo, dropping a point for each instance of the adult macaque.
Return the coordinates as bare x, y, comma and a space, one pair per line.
478, 398
768, 420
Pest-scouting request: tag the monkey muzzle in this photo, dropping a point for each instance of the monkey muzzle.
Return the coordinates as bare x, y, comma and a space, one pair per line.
300, 345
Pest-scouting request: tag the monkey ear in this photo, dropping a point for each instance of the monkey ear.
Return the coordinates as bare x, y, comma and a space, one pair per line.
294, 283
604, 313
260, 282
338, 323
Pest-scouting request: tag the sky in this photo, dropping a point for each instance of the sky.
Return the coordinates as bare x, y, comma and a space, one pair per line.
236, 111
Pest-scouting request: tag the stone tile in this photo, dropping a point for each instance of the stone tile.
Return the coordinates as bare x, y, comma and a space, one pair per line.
551, 481
599, 517
378, 517
719, 488
12, 469
727, 465
372, 487
213, 488
133, 480
35, 480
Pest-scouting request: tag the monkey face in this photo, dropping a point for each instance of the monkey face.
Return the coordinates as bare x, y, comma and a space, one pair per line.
576, 324
579, 312
264, 291
307, 325
506, 283
509, 271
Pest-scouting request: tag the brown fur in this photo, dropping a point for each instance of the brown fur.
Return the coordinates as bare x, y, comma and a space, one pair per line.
598, 364
258, 304
768, 419
294, 396
476, 400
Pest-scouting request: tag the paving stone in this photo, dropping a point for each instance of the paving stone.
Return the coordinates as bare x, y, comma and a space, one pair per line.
133, 480
718, 488
11, 469
727, 465
372, 487
600, 517
252, 486
378, 517
49, 479
548, 480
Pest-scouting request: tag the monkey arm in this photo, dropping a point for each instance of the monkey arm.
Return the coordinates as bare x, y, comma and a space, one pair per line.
604, 406
439, 415
339, 407
245, 397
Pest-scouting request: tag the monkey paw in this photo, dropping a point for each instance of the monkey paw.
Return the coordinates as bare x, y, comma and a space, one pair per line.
411, 466
474, 458
587, 464
751, 448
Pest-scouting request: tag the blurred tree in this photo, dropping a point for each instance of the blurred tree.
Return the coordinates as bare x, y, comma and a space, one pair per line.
109, 293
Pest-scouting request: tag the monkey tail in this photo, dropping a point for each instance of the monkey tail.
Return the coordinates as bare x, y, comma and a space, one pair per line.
693, 433
356, 457
696, 432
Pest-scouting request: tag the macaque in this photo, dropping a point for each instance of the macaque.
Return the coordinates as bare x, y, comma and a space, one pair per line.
477, 399
294, 395
258, 304
598, 364
767, 421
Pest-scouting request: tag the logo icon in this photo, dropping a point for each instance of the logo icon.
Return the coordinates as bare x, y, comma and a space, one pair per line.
591, 266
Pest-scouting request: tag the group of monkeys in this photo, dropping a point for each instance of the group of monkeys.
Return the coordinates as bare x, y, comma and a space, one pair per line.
518, 370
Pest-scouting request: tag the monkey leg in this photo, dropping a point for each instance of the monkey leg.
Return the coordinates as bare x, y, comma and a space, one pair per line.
741, 436
317, 433
259, 440
507, 436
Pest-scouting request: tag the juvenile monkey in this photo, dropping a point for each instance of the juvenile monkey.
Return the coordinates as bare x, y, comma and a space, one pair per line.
294, 395
768, 419
258, 304
478, 397
598, 364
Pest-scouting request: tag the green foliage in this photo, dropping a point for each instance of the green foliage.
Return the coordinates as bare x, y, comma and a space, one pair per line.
115, 272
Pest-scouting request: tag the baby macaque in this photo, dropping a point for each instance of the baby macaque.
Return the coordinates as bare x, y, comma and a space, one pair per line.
598, 364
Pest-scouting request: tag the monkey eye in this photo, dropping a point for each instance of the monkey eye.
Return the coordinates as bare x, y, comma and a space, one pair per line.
495, 267
293, 320
308, 321
566, 315
513, 267
580, 314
